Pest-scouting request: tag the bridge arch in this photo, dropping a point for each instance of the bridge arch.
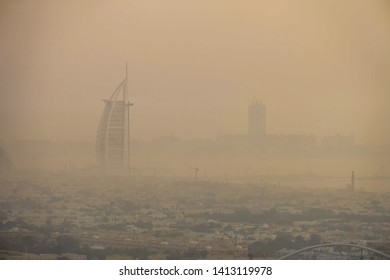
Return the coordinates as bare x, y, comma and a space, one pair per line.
384, 255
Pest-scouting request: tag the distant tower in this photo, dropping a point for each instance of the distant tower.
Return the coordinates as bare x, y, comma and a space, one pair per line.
351, 186
112, 139
256, 120
5, 161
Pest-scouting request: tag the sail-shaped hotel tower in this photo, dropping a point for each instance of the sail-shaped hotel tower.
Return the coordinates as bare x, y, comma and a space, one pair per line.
113, 137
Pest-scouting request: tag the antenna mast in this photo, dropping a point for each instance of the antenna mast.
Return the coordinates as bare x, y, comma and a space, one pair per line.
127, 104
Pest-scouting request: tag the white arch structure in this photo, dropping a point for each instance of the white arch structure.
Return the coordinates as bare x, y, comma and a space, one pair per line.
113, 137
386, 256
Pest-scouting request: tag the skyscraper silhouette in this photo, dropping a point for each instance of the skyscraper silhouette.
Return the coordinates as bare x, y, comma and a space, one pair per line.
112, 139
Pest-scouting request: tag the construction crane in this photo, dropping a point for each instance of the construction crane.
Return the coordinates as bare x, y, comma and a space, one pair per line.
196, 172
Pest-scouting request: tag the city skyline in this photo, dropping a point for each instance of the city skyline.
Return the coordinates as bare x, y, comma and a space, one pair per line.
260, 130
194, 67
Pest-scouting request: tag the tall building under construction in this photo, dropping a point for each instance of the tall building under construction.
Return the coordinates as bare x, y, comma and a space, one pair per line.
113, 138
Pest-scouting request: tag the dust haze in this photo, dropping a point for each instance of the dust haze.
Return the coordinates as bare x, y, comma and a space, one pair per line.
194, 69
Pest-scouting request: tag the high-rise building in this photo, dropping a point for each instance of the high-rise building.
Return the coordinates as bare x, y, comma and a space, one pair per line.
5, 161
113, 139
256, 120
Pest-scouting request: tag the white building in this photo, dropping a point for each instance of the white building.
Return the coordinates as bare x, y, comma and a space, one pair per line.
112, 139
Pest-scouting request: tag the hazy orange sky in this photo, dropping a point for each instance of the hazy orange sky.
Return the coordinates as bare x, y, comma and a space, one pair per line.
321, 67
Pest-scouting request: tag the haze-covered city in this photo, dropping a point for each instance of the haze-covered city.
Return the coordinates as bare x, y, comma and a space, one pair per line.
194, 130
